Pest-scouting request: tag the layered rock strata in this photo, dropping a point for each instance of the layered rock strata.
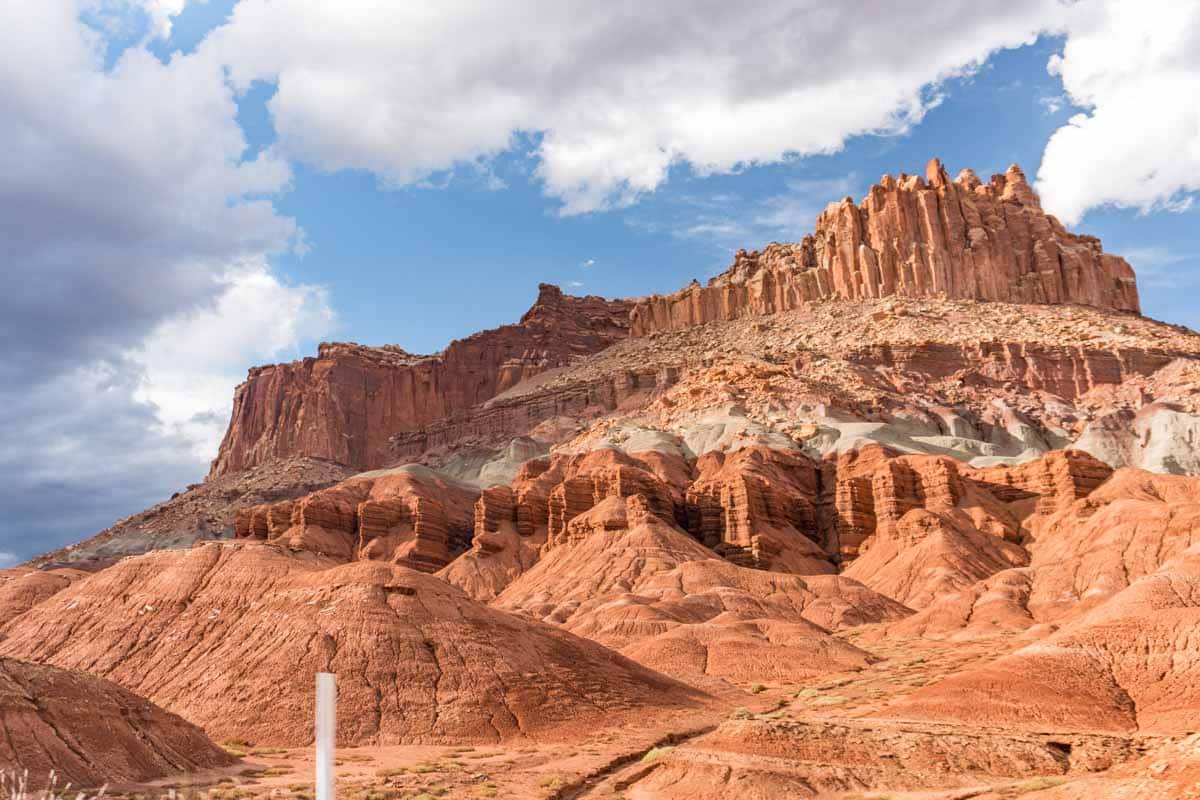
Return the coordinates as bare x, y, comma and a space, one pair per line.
912, 237
409, 515
89, 732
345, 403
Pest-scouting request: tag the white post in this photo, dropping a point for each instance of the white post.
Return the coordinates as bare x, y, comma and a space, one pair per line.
326, 732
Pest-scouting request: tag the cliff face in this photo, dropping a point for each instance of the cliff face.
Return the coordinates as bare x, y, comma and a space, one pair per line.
345, 403
912, 237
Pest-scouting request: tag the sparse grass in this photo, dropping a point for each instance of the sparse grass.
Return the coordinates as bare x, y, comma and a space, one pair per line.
353, 758
655, 753
268, 751
1037, 784
551, 782
829, 700
379, 794
741, 713
484, 790
806, 693
391, 772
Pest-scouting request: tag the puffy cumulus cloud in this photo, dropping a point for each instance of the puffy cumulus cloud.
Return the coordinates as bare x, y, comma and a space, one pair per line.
128, 213
191, 361
613, 95
122, 192
1135, 67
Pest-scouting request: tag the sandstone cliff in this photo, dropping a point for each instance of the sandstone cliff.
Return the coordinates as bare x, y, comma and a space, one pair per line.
345, 403
912, 237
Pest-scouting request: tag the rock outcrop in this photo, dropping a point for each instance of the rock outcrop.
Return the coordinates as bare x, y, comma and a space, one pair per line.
912, 237
90, 732
408, 515
344, 404
633, 581
758, 507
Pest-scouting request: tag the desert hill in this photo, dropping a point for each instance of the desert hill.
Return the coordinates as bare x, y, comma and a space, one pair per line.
90, 731
230, 636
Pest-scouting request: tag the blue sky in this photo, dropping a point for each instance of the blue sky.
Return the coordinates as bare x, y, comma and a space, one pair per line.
190, 188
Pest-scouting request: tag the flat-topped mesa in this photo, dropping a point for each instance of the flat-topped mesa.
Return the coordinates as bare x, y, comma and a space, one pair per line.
345, 403
912, 237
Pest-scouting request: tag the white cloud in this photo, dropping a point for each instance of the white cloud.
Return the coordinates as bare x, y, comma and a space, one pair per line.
731, 221
614, 96
191, 362
128, 214
1135, 67
1052, 103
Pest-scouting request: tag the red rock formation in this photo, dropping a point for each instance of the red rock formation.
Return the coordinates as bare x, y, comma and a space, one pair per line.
91, 732
345, 403
22, 588
499, 552
408, 515
1129, 665
631, 580
757, 507
1052, 482
1067, 372
912, 237
229, 635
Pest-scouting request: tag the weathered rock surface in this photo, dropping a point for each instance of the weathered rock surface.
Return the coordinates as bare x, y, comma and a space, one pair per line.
633, 581
895, 510
344, 404
912, 237
1131, 664
407, 515
762, 760
758, 507
22, 588
1081, 554
230, 636
91, 732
